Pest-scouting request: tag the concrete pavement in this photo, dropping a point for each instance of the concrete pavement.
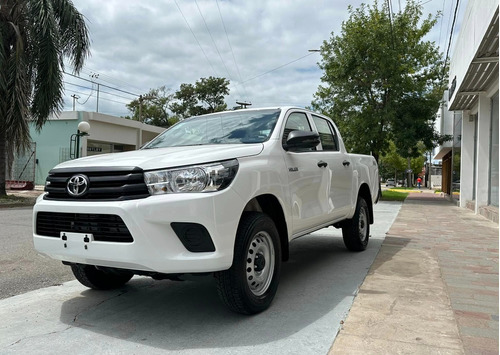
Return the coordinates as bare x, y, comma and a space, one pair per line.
318, 285
433, 288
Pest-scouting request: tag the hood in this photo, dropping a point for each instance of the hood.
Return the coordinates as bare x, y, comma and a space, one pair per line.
159, 158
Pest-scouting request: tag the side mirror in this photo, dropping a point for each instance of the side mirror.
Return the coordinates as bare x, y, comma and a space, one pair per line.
298, 140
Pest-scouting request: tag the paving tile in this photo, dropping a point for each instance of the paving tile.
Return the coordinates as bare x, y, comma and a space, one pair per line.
362, 345
433, 288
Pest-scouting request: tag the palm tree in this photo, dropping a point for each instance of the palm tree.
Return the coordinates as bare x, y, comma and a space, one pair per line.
35, 37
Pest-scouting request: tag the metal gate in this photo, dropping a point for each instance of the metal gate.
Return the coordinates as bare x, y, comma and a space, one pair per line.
21, 175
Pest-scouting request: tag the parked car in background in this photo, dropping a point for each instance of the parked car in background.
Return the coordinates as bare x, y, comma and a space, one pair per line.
390, 182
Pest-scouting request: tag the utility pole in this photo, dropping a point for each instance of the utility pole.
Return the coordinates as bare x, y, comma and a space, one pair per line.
95, 76
140, 108
97, 108
75, 97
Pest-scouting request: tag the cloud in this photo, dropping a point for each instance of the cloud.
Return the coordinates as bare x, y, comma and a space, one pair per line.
141, 45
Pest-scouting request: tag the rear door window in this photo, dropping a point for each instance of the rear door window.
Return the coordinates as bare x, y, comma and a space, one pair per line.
329, 140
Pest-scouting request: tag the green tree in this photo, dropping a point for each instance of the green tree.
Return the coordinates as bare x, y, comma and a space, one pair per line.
205, 96
35, 36
391, 163
374, 71
153, 108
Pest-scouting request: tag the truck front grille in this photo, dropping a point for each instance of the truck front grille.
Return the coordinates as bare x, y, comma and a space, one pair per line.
119, 184
104, 227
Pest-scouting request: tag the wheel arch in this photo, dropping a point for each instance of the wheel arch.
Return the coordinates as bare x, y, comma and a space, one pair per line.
364, 191
270, 205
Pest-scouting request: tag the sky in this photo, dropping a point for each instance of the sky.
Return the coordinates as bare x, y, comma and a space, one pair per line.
262, 47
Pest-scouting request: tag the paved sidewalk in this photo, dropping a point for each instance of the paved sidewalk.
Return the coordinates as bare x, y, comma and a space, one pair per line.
433, 288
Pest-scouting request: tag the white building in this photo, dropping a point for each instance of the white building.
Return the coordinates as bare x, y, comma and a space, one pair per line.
472, 158
108, 134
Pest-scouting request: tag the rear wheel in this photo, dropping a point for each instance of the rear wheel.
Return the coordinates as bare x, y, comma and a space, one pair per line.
356, 231
250, 284
100, 278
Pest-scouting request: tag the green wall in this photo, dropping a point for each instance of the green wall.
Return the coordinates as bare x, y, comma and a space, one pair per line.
52, 145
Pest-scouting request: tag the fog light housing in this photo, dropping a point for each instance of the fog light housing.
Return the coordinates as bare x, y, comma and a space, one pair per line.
194, 237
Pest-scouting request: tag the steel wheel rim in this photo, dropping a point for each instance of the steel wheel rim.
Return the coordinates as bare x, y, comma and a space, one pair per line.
363, 224
260, 263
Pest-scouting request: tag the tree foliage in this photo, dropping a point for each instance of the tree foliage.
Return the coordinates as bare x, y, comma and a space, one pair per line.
382, 80
35, 36
392, 164
161, 108
153, 108
205, 96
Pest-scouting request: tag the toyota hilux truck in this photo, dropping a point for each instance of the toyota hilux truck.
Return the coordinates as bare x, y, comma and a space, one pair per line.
222, 194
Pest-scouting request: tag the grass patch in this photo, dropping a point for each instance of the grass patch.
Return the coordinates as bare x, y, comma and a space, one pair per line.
391, 195
14, 201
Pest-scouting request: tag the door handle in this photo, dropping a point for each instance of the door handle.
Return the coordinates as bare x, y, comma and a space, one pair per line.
322, 164
346, 163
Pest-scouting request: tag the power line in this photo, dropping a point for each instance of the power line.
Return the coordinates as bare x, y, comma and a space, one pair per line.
215, 44
88, 97
199, 45
389, 9
232, 52
281, 66
442, 20
449, 43
449, 22
101, 98
107, 86
213, 41
101, 91
90, 70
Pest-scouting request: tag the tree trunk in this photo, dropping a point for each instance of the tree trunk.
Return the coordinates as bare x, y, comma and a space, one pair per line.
408, 183
3, 162
430, 172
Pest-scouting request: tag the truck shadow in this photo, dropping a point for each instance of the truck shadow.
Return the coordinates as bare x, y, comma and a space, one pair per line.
320, 275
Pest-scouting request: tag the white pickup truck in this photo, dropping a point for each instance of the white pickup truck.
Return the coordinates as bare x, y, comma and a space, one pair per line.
223, 193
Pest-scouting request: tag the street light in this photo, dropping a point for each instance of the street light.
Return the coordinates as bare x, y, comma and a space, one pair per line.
83, 130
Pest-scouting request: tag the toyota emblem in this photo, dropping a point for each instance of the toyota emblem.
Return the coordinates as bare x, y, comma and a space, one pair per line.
77, 185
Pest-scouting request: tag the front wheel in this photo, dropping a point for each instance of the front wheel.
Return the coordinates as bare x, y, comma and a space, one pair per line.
356, 231
100, 278
250, 285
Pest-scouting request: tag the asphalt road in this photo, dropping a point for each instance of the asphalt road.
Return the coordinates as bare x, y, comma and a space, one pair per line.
317, 288
22, 269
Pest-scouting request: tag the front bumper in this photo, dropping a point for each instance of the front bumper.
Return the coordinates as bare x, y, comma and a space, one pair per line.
155, 246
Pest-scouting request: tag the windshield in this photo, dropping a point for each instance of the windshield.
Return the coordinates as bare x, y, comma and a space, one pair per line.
235, 127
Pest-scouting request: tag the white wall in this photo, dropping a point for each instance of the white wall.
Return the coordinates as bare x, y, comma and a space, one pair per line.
118, 130
476, 20
483, 151
467, 160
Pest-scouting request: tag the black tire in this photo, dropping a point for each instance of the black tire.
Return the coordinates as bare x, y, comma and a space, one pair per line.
356, 231
100, 278
250, 285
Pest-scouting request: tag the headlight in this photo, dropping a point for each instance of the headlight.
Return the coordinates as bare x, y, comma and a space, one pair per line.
198, 178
